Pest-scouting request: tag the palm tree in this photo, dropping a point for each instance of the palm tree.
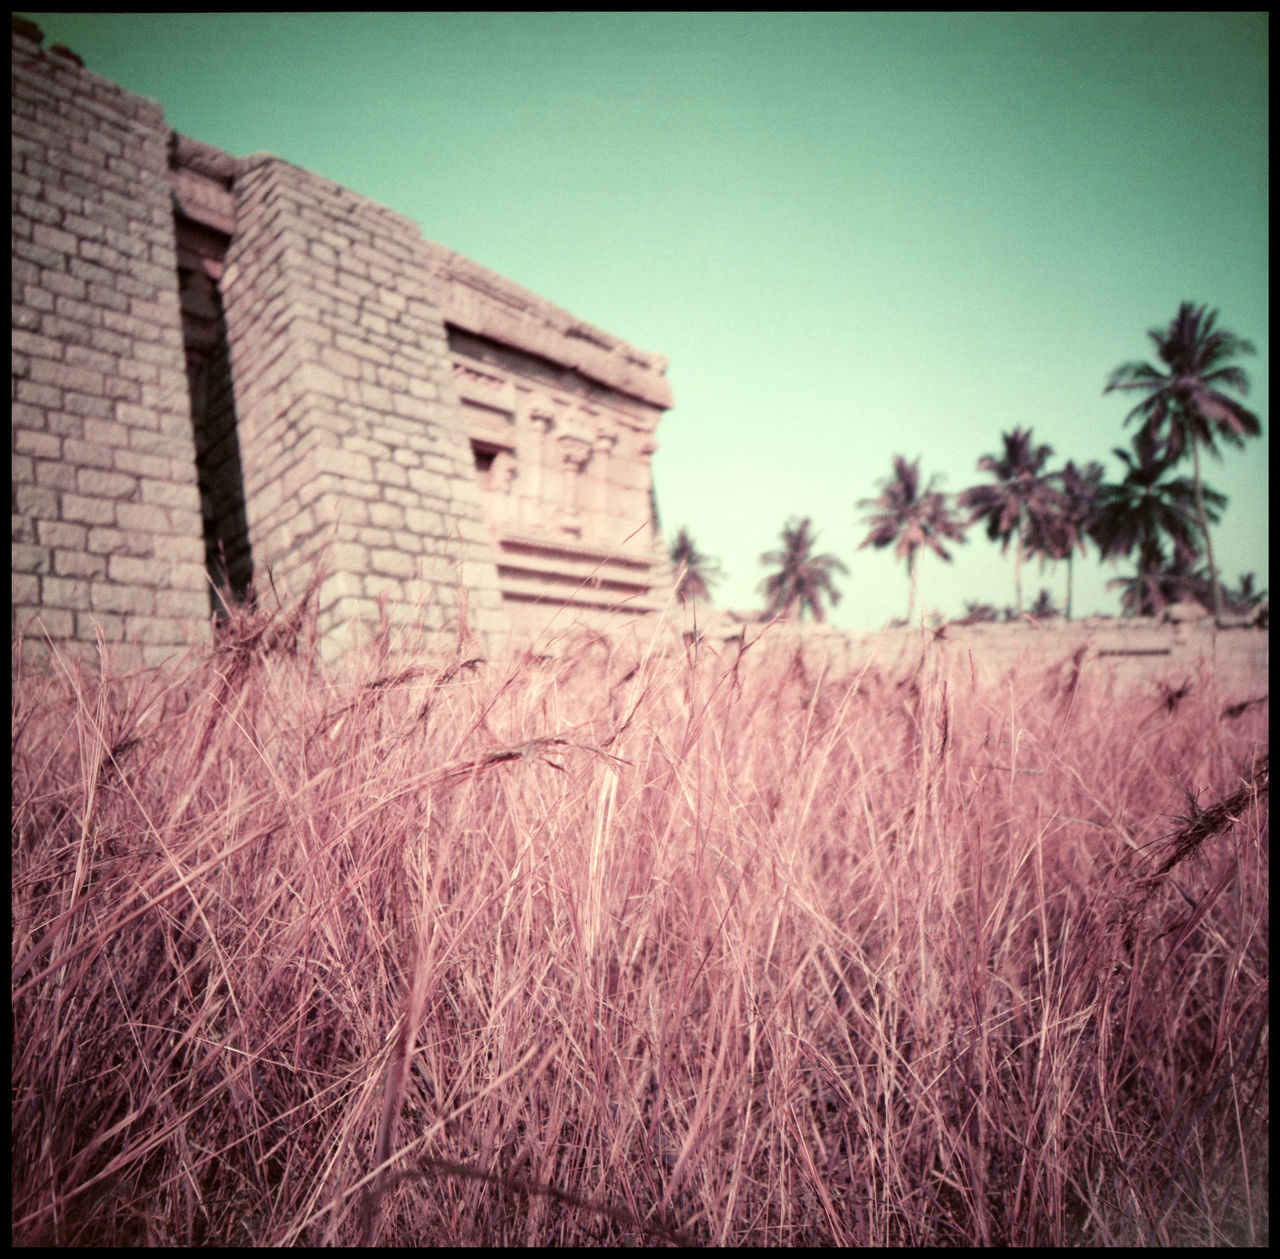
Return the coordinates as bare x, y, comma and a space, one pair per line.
976, 612
1182, 580
1140, 512
910, 517
1244, 599
802, 578
697, 573
1185, 406
1142, 592
1059, 536
1021, 504
1043, 607
1152, 588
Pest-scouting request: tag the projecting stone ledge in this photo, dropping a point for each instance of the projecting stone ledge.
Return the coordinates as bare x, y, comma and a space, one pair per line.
472, 297
488, 305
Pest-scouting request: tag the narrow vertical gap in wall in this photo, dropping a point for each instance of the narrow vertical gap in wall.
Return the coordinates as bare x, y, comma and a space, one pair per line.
219, 473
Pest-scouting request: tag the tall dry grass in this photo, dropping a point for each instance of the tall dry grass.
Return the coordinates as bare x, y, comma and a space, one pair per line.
626, 947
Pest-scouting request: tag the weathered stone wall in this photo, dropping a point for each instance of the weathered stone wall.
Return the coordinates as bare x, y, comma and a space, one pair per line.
106, 513
1123, 654
346, 406
226, 369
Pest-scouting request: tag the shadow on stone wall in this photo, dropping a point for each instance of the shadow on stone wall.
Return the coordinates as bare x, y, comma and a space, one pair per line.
219, 472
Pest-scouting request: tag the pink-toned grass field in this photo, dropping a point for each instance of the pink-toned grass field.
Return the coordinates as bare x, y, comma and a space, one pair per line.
626, 948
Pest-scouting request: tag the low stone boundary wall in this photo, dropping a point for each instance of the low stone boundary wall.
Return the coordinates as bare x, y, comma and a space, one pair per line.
1132, 652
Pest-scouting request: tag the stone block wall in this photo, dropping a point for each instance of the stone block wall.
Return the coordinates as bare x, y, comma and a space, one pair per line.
1121, 654
106, 513
345, 407
226, 370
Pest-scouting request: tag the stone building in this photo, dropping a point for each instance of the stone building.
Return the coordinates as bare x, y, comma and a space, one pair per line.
224, 366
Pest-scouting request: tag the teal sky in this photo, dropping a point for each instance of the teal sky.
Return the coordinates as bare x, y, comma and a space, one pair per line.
853, 235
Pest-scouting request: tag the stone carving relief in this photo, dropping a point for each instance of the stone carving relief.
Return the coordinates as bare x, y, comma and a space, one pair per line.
575, 451
606, 437
483, 387
502, 475
556, 464
503, 472
541, 421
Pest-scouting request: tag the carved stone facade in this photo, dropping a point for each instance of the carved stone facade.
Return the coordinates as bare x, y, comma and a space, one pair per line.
563, 465
223, 367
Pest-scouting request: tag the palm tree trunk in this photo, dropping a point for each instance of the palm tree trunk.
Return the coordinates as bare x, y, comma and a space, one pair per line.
1017, 572
1070, 565
1204, 528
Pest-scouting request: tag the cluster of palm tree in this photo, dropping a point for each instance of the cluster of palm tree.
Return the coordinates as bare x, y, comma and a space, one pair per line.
1185, 406
1042, 513
801, 582
976, 611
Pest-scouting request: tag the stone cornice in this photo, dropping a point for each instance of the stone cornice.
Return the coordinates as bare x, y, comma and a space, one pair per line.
486, 304
200, 177
472, 297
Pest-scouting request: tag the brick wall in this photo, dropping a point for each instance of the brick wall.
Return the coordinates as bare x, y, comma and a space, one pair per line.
106, 513
227, 369
346, 408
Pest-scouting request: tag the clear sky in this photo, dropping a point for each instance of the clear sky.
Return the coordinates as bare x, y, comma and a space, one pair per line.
853, 235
